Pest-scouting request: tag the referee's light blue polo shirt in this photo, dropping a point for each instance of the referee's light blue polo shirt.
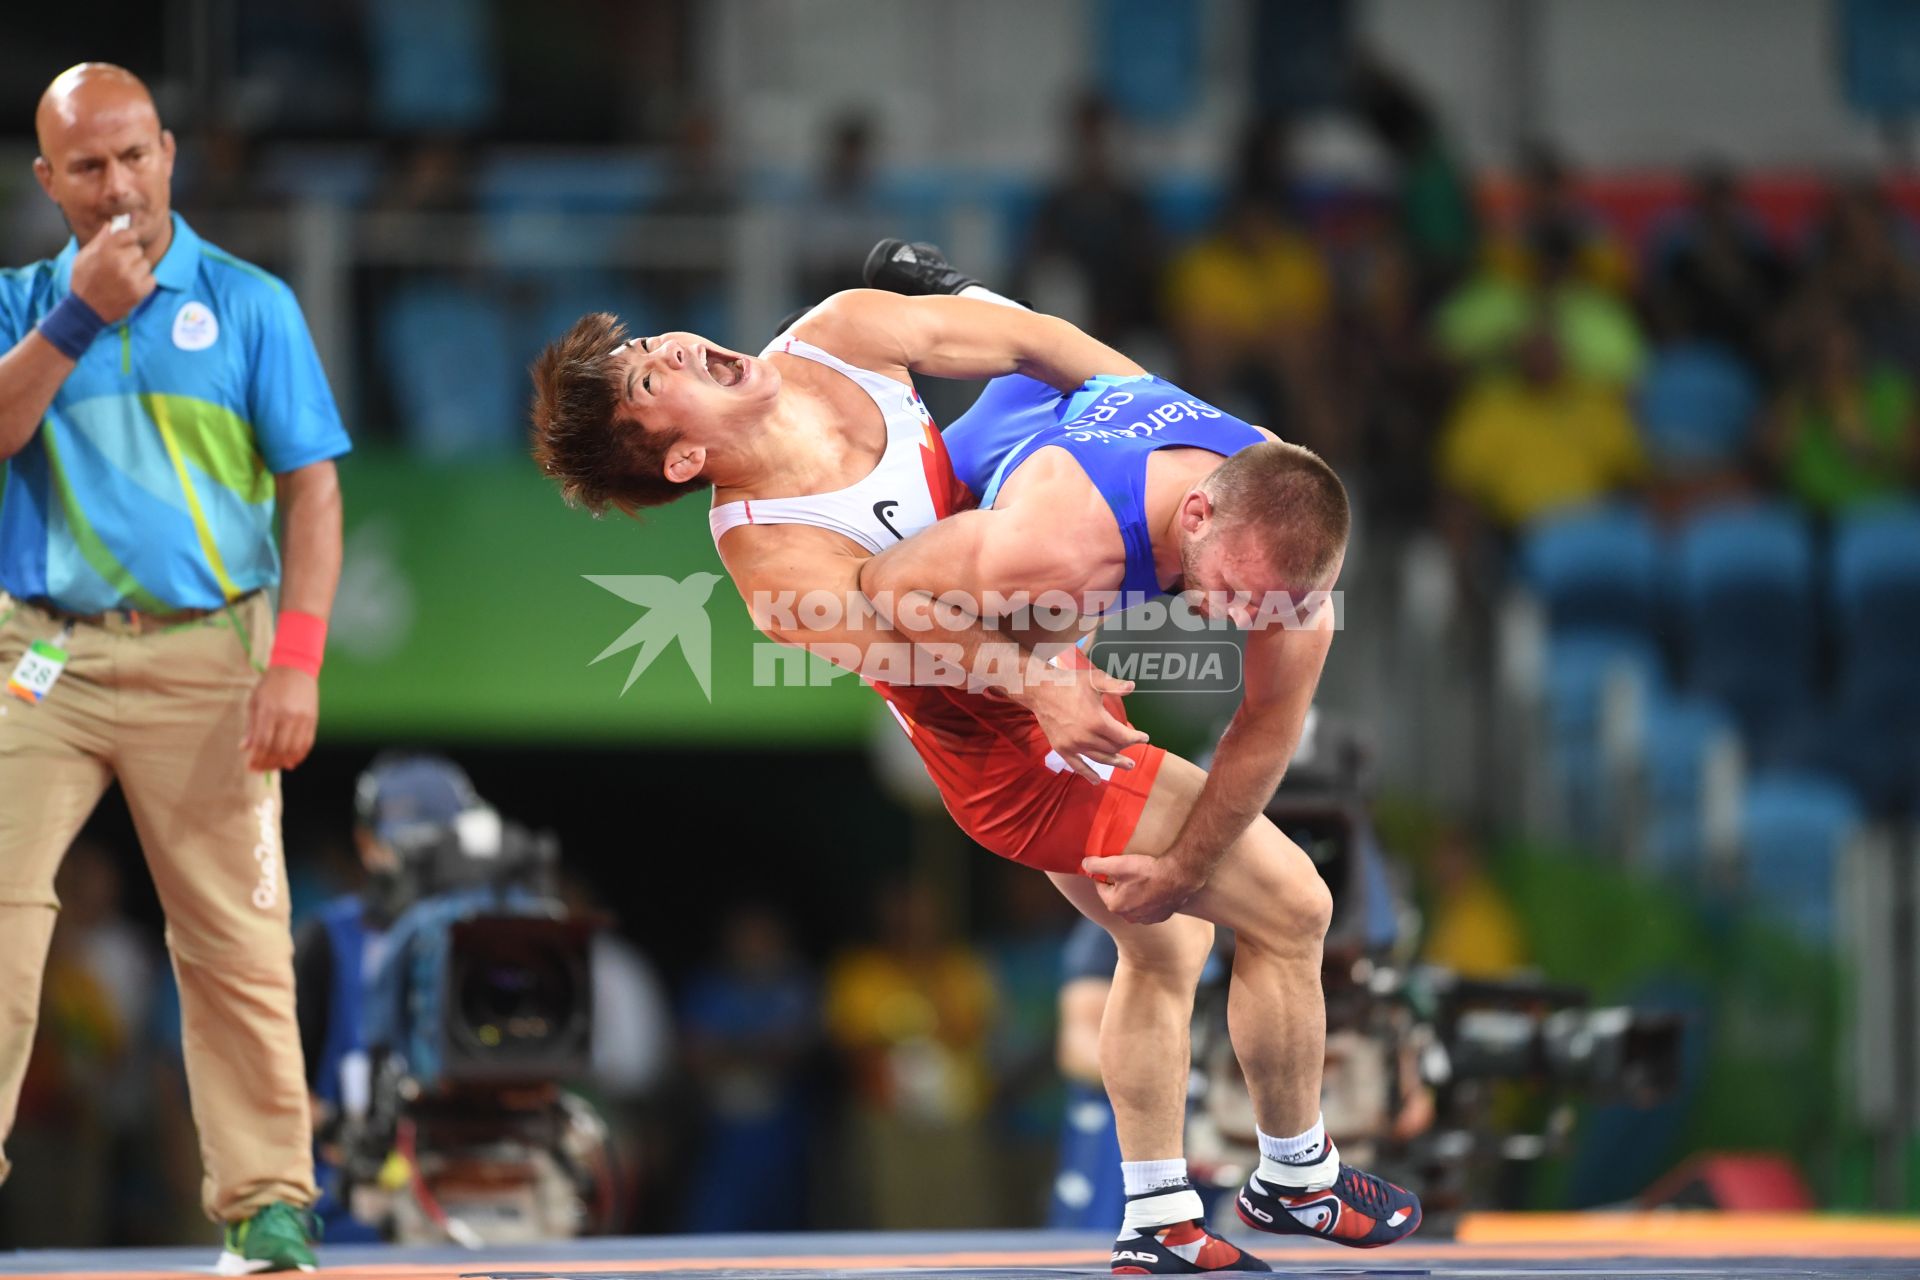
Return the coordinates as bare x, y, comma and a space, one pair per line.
149, 484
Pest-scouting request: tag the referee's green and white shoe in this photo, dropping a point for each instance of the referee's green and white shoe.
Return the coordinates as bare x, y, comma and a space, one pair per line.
277, 1237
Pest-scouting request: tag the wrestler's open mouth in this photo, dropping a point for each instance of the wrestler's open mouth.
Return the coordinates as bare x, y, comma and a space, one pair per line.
728, 371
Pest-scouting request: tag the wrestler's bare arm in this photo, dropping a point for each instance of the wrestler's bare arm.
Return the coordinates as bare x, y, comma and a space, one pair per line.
1283, 668
1050, 533
950, 337
1018, 574
975, 557
775, 566
803, 587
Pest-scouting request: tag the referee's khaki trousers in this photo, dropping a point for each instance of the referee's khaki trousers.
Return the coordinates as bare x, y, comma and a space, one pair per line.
164, 712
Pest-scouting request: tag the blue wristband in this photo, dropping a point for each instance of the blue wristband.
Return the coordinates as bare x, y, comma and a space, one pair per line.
71, 327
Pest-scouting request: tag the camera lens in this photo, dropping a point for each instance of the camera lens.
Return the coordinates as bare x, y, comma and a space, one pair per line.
516, 996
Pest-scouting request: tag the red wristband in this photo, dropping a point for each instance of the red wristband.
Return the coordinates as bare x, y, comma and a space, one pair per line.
299, 641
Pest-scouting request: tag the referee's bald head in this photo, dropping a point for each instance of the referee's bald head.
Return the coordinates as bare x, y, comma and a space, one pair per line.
85, 90
103, 151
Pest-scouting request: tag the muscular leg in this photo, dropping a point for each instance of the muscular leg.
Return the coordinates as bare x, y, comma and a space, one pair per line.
1269, 894
1267, 891
1144, 1033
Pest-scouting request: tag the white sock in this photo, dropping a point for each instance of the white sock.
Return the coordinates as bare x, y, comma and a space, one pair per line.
1142, 1176
981, 293
1308, 1162
1158, 1194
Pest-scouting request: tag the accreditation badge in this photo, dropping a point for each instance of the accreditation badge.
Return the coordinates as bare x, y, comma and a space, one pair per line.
38, 668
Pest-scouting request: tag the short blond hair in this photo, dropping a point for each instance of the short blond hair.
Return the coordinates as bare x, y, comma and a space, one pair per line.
1291, 501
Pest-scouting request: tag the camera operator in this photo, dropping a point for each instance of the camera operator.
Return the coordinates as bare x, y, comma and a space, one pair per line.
404, 806
553, 1030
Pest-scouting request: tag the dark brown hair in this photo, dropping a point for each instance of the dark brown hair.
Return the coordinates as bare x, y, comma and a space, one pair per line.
599, 458
1292, 501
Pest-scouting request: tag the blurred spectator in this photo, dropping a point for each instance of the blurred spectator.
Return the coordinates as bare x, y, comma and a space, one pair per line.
633, 1053
1714, 276
1472, 928
441, 337
1866, 264
1549, 210
1842, 428
1095, 229
167, 1197
1088, 1194
911, 1015
428, 173
1250, 303
1024, 955
632, 1020
116, 956
82, 1105
750, 1022
700, 184
219, 182
1435, 198
843, 213
699, 181
1487, 319
424, 174
220, 175
1716, 287
1526, 441
1395, 385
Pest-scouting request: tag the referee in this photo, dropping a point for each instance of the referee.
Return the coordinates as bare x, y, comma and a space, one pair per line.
158, 399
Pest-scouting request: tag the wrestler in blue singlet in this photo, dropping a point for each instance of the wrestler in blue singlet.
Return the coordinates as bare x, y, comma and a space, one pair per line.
1111, 426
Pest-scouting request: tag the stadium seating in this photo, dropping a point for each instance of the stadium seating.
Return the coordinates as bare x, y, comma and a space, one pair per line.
1597, 683
1697, 407
1743, 584
453, 368
1596, 569
1690, 756
1876, 588
1795, 827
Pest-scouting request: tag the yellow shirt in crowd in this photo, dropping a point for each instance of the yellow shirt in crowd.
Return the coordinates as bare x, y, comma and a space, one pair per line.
916, 1032
1475, 933
1521, 449
1248, 292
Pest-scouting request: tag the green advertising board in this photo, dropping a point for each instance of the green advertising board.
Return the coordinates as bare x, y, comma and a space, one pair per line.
474, 604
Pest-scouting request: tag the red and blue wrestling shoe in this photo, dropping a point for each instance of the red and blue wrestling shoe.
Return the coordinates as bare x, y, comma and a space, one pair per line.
1358, 1210
1181, 1249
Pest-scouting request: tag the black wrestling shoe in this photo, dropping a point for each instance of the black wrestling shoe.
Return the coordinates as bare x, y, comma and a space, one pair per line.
913, 269
1359, 1210
1180, 1249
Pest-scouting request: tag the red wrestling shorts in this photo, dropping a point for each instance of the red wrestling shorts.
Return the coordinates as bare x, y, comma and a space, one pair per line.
1009, 789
